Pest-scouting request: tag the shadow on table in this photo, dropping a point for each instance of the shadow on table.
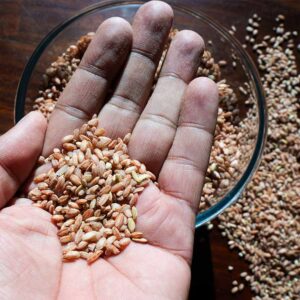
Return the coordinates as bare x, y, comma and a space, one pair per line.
202, 284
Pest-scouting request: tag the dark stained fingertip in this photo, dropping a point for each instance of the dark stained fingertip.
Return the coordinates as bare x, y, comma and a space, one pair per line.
116, 21
205, 91
184, 55
190, 41
152, 24
202, 95
116, 35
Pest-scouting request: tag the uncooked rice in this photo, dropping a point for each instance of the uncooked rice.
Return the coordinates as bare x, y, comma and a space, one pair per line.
264, 225
91, 191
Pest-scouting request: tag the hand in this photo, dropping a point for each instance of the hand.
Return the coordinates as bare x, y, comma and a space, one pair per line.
172, 134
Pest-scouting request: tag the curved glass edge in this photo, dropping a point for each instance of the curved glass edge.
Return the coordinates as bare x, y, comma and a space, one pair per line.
234, 194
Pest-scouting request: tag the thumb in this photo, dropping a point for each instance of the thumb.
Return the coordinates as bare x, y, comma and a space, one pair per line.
19, 150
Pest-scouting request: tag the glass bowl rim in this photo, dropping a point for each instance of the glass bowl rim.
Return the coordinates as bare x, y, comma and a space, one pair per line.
237, 189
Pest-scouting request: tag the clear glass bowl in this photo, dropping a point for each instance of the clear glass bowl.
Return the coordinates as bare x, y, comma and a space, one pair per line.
223, 46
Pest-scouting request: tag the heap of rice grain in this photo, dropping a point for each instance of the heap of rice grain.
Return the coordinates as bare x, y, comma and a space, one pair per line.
91, 191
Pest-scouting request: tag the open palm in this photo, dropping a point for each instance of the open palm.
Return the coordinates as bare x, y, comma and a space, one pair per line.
171, 133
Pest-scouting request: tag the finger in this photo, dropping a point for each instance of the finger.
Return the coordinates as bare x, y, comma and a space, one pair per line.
154, 132
86, 91
19, 149
19, 201
183, 172
151, 26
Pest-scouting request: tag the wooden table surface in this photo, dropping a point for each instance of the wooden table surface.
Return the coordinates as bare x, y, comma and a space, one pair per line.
23, 23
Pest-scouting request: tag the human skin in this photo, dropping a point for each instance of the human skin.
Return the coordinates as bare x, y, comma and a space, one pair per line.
172, 131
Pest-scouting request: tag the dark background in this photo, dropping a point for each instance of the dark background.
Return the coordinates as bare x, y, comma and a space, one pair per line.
23, 23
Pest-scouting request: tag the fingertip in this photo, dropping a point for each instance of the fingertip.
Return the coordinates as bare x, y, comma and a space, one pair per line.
151, 26
153, 21
157, 11
107, 51
117, 26
201, 103
116, 21
38, 118
19, 149
33, 126
116, 29
183, 57
21, 202
189, 41
34, 119
205, 91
